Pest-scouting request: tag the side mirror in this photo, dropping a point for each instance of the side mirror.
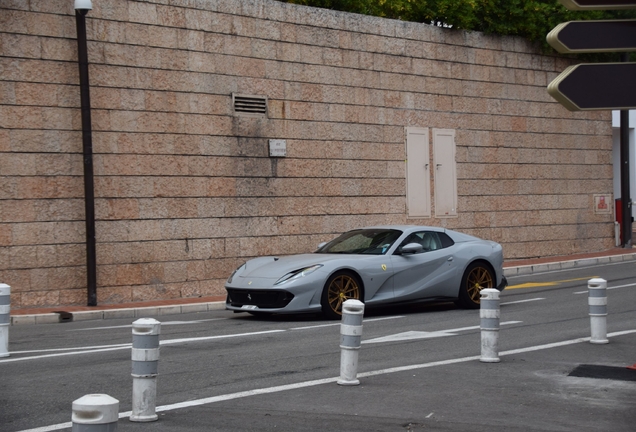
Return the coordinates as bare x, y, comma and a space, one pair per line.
411, 248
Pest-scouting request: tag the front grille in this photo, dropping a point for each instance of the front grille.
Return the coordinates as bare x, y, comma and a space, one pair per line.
266, 299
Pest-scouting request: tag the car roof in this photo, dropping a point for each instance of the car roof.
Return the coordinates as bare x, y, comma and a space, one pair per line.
406, 227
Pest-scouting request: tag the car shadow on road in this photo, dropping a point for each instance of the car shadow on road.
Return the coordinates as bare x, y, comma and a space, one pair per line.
372, 312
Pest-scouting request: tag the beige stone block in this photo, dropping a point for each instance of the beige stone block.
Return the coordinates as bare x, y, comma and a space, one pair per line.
74, 297
195, 270
58, 164
190, 40
64, 255
18, 280
182, 208
143, 13
32, 233
59, 49
153, 273
130, 274
39, 298
114, 295
156, 292
13, 20
5, 137
37, 71
23, 257
171, 16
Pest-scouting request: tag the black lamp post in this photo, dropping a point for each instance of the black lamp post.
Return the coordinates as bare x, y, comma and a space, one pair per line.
81, 9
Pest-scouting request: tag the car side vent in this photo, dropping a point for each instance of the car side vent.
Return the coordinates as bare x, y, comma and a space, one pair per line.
249, 105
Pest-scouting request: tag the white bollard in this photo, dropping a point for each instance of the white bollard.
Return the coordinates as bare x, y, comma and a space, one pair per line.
145, 362
5, 319
350, 341
95, 413
489, 314
597, 301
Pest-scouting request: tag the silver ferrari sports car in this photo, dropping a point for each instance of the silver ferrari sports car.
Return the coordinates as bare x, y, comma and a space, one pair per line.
377, 265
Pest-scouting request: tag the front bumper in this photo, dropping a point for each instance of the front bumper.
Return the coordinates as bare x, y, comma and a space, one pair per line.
250, 299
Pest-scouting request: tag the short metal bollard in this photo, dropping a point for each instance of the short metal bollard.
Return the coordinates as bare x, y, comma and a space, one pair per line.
95, 413
489, 314
145, 362
597, 301
5, 319
350, 341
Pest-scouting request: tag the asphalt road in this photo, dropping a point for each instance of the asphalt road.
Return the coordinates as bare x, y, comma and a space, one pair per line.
419, 367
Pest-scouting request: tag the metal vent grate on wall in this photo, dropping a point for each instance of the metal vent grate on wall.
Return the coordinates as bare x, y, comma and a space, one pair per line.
250, 105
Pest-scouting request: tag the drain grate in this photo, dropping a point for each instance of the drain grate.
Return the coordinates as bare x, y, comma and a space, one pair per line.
604, 372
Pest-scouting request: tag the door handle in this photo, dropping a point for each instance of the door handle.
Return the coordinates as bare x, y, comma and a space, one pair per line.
450, 259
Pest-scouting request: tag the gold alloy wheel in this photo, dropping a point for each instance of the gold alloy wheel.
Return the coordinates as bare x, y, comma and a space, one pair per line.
478, 279
343, 287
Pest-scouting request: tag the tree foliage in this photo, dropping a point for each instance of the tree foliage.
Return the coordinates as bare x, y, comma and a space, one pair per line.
531, 19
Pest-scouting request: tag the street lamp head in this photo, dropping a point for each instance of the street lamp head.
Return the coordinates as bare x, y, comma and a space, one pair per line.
83, 5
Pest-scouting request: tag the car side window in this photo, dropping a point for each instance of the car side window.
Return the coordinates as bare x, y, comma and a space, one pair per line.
445, 240
430, 240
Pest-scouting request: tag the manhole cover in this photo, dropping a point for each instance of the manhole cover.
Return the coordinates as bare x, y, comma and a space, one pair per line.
604, 372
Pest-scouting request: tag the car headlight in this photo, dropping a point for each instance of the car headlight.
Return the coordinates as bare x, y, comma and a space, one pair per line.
297, 274
229, 280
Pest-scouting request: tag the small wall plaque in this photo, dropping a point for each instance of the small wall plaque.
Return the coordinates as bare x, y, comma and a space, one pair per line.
277, 148
603, 204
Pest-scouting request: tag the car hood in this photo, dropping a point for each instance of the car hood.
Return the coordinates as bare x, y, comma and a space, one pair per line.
277, 267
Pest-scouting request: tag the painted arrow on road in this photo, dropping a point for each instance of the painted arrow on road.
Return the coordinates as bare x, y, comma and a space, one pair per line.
412, 335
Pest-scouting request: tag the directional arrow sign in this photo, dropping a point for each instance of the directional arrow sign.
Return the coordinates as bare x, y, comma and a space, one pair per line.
598, 4
594, 36
596, 86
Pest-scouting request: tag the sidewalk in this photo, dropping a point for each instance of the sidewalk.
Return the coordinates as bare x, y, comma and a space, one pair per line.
204, 304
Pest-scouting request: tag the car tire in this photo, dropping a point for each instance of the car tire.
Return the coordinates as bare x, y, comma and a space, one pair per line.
341, 286
477, 276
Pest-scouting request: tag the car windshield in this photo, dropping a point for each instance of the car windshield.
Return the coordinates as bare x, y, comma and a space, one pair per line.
363, 241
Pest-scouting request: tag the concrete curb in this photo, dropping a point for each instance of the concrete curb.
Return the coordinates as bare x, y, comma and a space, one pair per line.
141, 312
566, 265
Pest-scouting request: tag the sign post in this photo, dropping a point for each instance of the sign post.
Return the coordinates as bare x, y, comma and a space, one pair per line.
600, 86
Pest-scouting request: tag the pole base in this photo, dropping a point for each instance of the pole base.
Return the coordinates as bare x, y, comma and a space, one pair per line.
142, 418
489, 360
345, 382
599, 341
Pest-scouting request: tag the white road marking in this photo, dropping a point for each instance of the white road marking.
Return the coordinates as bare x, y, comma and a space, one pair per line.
608, 288
58, 352
338, 323
163, 323
128, 346
313, 383
72, 349
411, 335
522, 301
